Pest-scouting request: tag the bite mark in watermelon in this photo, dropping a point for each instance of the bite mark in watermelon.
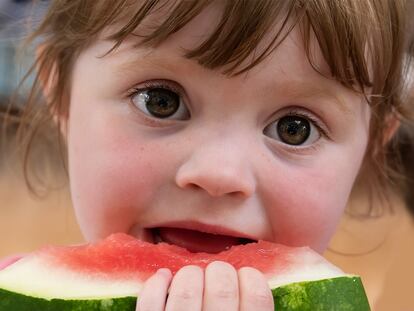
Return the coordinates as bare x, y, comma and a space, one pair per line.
109, 275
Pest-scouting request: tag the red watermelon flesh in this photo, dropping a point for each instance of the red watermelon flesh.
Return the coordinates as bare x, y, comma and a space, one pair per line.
122, 255
120, 264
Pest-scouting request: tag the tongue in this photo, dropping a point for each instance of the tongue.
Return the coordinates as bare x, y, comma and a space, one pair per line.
196, 241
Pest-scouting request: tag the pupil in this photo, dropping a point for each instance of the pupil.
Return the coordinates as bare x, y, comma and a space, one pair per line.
162, 103
293, 130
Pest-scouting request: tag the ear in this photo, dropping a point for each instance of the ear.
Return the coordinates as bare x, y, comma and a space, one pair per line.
48, 75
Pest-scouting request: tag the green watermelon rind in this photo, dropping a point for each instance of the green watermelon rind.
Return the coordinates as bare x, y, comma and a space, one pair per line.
336, 294
18, 302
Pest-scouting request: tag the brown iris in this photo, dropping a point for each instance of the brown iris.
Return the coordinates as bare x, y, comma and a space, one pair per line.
161, 103
293, 130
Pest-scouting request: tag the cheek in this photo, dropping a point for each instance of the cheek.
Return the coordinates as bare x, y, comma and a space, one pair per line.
114, 174
306, 203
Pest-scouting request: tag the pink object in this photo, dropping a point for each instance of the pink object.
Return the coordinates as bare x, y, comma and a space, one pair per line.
121, 254
10, 260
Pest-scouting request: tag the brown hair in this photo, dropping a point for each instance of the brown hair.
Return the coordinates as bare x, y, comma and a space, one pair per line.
363, 42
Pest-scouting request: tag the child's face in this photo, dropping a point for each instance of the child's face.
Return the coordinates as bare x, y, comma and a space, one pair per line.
271, 154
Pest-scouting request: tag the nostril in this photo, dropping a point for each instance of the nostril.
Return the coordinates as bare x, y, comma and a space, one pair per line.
236, 194
193, 186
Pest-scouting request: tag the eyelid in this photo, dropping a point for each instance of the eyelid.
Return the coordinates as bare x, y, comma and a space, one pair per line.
309, 149
305, 113
160, 83
300, 150
289, 151
163, 84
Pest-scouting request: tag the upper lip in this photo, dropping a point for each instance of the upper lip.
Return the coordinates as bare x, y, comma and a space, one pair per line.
203, 227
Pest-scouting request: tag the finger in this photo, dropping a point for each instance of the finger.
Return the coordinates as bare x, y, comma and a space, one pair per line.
154, 293
255, 293
221, 289
186, 290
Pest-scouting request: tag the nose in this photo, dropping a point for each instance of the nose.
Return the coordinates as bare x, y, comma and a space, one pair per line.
218, 168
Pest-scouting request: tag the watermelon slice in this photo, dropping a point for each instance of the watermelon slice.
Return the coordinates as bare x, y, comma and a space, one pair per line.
109, 275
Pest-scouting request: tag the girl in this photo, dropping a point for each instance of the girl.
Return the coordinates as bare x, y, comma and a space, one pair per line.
213, 123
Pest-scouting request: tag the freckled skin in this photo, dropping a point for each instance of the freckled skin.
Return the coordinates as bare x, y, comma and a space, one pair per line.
218, 167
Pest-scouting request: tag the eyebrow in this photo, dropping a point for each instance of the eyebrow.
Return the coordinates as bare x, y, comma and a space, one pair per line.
150, 61
298, 89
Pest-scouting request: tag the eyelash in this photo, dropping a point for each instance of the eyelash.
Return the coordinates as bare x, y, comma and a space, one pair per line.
164, 84
308, 149
316, 122
147, 85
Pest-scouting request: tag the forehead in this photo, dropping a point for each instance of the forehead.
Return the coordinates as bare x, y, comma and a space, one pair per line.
227, 33
200, 32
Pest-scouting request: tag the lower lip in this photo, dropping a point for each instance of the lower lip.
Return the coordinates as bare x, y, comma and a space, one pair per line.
196, 241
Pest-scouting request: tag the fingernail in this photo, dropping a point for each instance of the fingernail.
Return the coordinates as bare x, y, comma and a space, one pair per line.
164, 271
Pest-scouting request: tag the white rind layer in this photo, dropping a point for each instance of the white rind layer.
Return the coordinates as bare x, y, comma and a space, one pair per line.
305, 265
35, 276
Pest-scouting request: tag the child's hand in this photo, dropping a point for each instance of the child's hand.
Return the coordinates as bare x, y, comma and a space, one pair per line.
220, 287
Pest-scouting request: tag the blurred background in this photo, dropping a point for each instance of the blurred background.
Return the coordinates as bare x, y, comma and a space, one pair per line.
380, 249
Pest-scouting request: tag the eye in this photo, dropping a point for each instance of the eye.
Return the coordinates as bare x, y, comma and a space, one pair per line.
160, 102
293, 130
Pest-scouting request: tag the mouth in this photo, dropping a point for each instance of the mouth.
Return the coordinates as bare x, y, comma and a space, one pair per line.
198, 241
